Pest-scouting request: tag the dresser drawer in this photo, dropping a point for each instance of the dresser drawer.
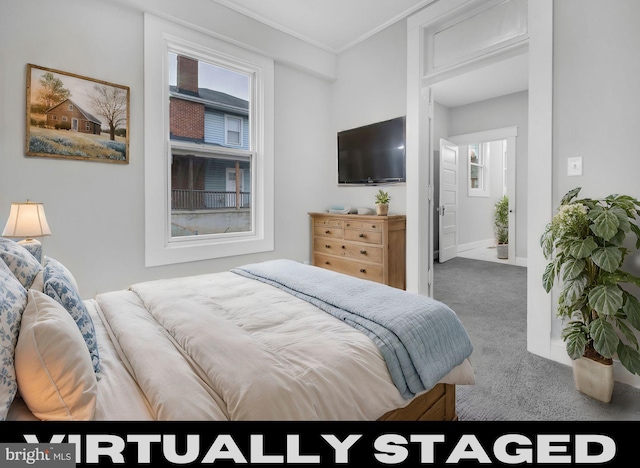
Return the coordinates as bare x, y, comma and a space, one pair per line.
345, 249
328, 231
349, 267
371, 237
328, 222
362, 225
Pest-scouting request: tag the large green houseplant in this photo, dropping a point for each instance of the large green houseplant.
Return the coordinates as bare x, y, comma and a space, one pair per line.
501, 226
585, 243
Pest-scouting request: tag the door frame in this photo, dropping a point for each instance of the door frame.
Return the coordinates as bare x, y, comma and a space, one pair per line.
510, 135
539, 166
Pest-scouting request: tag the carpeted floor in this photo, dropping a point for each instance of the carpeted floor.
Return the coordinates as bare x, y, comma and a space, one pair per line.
511, 383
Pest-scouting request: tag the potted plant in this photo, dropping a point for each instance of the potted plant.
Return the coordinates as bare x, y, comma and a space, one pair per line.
382, 203
585, 243
501, 227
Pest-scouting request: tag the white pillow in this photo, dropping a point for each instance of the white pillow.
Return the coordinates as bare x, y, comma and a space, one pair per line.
54, 371
38, 282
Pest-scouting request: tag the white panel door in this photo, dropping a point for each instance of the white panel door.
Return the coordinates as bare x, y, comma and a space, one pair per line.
448, 209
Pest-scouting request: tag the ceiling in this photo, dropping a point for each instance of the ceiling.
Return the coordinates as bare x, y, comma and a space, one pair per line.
333, 25
337, 25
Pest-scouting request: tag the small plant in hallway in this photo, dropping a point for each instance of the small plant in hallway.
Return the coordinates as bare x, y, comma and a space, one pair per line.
382, 202
501, 226
585, 243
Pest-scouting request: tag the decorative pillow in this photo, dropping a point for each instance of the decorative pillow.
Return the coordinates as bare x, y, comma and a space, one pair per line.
61, 286
63, 270
54, 372
22, 264
38, 282
13, 300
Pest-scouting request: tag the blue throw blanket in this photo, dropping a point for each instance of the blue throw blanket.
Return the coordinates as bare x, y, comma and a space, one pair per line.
420, 338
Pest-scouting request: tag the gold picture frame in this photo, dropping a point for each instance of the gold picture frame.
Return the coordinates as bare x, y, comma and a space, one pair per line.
70, 116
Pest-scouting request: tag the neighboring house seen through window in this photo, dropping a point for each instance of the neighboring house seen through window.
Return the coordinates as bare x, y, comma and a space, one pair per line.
202, 202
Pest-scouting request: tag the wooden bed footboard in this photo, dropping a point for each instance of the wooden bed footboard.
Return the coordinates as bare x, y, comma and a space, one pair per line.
438, 404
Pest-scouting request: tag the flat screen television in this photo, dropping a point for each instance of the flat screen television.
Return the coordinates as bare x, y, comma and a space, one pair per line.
373, 154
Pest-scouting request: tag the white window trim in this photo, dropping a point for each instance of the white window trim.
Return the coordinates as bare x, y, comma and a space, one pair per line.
160, 36
228, 117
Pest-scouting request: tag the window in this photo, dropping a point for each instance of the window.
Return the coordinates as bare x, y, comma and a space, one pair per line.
70, 107
203, 202
87, 126
208, 147
478, 164
233, 130
64, 118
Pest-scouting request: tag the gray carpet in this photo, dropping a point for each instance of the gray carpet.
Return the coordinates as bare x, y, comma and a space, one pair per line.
511, 383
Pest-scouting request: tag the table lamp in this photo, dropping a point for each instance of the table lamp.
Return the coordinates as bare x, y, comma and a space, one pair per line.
27, 220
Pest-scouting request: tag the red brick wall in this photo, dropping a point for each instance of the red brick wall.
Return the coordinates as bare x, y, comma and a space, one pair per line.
187, 119
187, 74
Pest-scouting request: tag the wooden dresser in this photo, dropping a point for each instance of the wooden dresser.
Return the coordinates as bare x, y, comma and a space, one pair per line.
369, 247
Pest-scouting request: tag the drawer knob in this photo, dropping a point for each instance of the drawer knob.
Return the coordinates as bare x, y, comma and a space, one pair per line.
327, 263
327, 246
361, 234
348, 224
373, 227
343, 247
363, 252
327, 232
362, 270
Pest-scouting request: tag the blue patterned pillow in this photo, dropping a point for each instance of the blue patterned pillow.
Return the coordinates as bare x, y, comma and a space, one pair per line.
13, 300
60, 285
21, 263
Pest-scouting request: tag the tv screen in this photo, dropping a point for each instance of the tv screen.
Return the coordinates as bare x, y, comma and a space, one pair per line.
372, 154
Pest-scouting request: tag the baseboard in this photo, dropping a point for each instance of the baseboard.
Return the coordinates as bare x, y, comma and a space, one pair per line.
521, 261
481, 244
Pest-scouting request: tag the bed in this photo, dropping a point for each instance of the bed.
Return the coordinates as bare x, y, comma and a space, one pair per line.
275, 340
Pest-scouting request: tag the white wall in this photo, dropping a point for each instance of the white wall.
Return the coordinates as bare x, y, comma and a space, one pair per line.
96, 210
596, 102
505, 111
371, 87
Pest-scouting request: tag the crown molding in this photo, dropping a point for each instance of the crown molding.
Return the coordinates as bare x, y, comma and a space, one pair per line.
274, 24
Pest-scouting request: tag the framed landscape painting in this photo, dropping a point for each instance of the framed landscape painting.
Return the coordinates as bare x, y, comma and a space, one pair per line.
74, 117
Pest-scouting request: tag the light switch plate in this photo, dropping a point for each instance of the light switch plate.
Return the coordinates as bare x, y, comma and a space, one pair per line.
574, 166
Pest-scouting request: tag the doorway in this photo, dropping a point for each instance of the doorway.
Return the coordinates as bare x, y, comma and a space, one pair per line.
485, 165
536, 183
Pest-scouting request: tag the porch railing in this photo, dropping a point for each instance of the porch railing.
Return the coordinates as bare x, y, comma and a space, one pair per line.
208, 200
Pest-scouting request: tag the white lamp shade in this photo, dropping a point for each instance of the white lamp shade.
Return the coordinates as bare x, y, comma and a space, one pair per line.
26, 220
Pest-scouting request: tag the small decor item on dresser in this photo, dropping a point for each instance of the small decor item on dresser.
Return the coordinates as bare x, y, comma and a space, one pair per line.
340, 209
382, 203
27, 220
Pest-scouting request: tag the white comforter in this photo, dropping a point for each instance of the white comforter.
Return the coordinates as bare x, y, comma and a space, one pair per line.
225, 347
